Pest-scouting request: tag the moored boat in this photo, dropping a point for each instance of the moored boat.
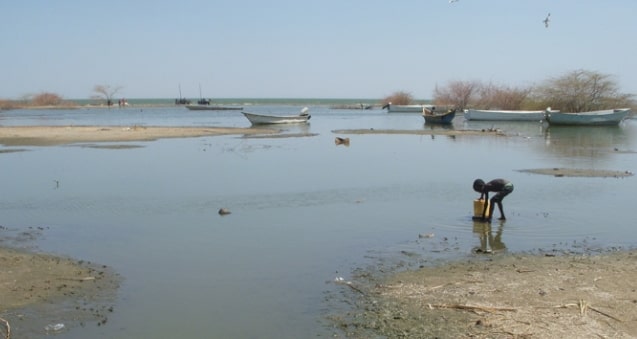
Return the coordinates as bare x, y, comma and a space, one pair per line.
263, 119
433, 117
591, 118
391, 108
503, 115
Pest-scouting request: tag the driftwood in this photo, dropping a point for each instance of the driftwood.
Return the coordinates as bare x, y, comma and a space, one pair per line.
473, 308
340, 281
7, 326
585, 306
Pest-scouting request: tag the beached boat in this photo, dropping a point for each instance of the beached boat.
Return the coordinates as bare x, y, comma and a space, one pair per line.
391, 108
209, 107
592, 118
503, 115
262, 119
433, 117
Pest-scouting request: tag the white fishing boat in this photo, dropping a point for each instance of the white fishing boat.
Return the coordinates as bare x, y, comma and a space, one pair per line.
591, 118
263, 119
391, 108
503, 115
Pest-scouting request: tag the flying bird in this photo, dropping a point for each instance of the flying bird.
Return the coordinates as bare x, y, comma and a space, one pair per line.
452, 1
546, 21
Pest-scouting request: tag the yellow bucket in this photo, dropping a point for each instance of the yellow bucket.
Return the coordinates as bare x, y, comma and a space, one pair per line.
478, 207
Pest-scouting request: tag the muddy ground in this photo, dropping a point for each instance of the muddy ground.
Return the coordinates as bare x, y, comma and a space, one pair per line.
39, 290
498, 296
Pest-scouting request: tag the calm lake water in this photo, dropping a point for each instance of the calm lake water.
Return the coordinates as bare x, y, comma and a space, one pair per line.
303, 209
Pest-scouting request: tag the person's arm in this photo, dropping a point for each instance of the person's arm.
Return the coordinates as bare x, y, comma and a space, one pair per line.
486, 203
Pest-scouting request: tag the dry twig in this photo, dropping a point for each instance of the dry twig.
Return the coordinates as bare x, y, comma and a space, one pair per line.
7, 326
473, 308
585, 306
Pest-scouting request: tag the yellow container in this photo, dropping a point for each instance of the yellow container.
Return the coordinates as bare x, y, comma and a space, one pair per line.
478, 207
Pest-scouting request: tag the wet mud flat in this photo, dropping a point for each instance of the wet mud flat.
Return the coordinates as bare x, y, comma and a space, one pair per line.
498, 296
43, 294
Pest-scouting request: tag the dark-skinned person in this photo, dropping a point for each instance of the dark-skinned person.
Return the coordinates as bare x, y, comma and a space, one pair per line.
501, 188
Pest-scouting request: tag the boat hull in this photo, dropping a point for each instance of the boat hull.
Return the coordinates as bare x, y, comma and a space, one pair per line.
260, 119
593, 118
391, 108
495, 115
441, 119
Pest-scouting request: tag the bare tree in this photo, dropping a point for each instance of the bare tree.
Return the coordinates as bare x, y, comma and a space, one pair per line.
580, 91
106, 92
456, 93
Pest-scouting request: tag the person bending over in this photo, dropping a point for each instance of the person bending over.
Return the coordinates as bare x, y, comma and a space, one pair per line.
501, 187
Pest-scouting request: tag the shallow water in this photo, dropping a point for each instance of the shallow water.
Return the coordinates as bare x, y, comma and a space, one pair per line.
303, 209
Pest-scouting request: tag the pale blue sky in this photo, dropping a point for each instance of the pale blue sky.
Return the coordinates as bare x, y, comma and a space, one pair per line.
306, 49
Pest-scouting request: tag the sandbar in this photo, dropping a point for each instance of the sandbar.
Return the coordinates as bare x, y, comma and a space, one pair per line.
62, 135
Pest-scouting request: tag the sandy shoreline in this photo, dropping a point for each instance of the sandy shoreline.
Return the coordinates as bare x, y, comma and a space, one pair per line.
61, 135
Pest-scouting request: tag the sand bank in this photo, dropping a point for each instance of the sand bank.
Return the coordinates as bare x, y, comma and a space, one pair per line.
60, 135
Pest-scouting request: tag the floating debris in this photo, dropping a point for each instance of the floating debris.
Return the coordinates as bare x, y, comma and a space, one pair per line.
341, 141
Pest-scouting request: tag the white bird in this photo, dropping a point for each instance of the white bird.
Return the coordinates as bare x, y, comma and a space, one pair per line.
452, 1
546, 21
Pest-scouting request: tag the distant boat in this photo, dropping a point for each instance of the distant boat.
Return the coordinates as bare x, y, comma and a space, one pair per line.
209, 107
262, 119
444, 118
591, 118
181, 100
391, 108
206, 105
501, 115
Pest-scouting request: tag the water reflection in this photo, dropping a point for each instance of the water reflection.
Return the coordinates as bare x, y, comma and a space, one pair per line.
489, 242
581, 141
438, 128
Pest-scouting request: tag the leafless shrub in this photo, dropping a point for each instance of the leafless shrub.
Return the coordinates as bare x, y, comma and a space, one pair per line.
399, 98
502, 97
456, 93
46, 99
7, 104
580, 91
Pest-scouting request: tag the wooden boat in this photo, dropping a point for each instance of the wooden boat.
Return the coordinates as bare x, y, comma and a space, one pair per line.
500, 115
433, 117
592, 118
391, 108
209, 107
262, 119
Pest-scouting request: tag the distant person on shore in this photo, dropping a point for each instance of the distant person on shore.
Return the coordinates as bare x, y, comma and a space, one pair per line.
501, 187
